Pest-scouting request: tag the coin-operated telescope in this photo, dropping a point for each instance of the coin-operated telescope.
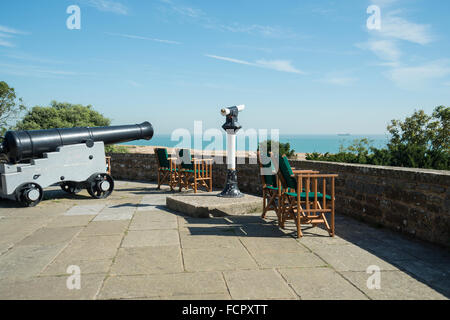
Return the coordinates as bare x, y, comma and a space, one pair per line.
231, 126
73, 158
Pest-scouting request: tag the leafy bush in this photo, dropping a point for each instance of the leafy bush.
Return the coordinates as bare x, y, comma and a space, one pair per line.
115, 148
10, 106
420, 141
61, 115
284, 148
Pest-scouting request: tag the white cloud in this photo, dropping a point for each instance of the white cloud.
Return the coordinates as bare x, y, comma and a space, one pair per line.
384, 49
278, 65
399, 28
419, 76
108, 6
130, 36
198, 16
383, 3
11, 30
384, 43
266, 31
37, 71
340, 81
229, 59
8, 33
5, 43
134, 83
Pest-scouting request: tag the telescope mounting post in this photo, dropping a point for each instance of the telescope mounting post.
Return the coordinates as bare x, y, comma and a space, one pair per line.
231, 126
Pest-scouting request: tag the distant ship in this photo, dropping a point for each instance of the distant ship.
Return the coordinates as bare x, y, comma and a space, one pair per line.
343, 134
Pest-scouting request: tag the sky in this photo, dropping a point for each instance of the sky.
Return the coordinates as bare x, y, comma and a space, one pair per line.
304, 67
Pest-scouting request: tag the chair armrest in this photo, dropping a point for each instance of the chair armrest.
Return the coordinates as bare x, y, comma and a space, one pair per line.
317, 175
304, 171
201, 160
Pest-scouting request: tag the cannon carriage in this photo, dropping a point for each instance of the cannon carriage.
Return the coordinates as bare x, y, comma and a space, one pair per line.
73, 158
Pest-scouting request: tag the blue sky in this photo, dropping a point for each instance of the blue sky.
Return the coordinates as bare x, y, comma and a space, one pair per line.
299, 66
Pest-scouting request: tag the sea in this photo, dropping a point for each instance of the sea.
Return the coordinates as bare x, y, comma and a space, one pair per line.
303, 143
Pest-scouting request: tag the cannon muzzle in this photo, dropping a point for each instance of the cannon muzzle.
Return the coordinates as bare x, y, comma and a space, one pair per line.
23, 145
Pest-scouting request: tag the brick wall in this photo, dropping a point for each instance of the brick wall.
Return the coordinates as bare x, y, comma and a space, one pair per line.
412, 201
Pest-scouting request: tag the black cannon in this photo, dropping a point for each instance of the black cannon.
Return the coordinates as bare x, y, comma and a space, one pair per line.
73, 158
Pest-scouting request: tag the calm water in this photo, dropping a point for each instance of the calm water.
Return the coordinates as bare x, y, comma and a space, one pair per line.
300, 143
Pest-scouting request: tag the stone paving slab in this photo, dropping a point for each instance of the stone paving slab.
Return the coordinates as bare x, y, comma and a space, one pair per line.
321, 284
189, 241
351, 258
27, 261
59, 267
48, 236
227, 258
280, 258
198, 283
213, 296
206, 204
105, 228
260, 244
131, 246
116, 212
91, 248
51, 288
147, 260
153, 220
258, 285
151, 238
394, 285
70, 221
90, 209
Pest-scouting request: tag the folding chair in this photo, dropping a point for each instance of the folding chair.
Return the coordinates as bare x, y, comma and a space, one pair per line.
194, 172
270, 185
301, 200
167, 168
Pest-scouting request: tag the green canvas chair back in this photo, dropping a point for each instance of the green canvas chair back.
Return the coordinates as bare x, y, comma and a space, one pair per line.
163, 157
286, 172
186, 159
269, 179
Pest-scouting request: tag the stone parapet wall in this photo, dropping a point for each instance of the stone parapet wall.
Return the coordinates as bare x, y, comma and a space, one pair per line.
412, 201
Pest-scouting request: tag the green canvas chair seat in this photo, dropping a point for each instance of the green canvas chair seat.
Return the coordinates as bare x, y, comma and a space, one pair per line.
186, 159
286, 171
311, 195
271, 189
194, 173
306, 207
167, 171
269, 179
163, 158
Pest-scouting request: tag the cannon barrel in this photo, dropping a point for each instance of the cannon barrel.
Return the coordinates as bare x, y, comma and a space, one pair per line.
23, 145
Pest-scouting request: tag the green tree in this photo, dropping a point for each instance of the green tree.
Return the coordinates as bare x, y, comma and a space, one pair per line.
65, 115
419, 141
284, 148
10, 106
62, 115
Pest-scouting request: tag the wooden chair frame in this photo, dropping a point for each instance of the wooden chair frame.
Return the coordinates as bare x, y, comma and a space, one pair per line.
108, 165
271, 197
169, 174
200, 175
311, 208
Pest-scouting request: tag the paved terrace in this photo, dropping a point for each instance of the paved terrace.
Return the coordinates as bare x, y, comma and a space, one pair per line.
130, 246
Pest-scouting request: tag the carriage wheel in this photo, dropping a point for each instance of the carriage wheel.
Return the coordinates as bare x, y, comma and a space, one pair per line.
100, 185
29, 194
